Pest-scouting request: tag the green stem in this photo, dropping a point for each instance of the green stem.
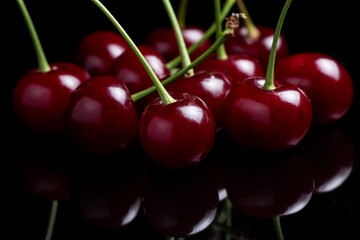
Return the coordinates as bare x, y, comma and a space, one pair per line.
277, 226
164, 95
221, 53
228, 208
42, 61
51, 223
269, 78
254, 33
179, 37
137, 96
181, 15
210, 31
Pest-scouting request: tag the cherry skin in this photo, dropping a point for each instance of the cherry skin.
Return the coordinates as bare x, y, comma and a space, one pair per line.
129, 69
40, 99
267, 120
164, 41
179, 134
236, 67
211, 87
97, 51
259, 48
101, 118
324, 80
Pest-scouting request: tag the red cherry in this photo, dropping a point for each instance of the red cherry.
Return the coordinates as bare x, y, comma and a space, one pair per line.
259, 48
268, 120
40, 99
179, 134
129, 69
97, 51
236, 67
164, 41
324, 80
101, 117
211, 87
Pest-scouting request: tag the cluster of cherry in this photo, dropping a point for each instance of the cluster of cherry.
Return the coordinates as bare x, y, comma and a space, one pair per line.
97, 102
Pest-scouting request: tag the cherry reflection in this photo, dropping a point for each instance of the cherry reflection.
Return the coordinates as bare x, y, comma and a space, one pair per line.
269, 185
180, 204
106, 192
331, 152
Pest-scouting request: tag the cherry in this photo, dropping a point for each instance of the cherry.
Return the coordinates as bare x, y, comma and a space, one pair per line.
211, 87
185, 199
129, 69
100, 117
255, 41
178, 134
235, 67
324, 80
97, 51
163, 41
40, 96
258, 48
265, 114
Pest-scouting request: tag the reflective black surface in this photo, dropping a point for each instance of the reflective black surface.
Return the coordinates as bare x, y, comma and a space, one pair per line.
128, 197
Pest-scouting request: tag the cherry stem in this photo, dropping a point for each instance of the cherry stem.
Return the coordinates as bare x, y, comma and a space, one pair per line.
52, 217
42, 61
181, 14
269, 78
164, 95
225, 35
228, 208
210, 31
253, 32
179, 37
277, 226
221, 52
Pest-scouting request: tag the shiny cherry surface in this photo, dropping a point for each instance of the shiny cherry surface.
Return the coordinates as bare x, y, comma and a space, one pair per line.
177, 135
129, 69
259, 48
236, 67
101, 117
164, 41
96, 51
211, 87
268, 120
39, 99
324, 80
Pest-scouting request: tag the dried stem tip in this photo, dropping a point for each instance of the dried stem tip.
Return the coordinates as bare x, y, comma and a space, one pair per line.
233, 22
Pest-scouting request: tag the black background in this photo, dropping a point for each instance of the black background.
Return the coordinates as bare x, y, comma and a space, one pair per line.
329, 27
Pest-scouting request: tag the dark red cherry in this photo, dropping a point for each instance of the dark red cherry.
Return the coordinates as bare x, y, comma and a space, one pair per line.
101, 117
97, 51
324, 80
268, 120
179, 134
259, 48
164, 41
180, 204
211, 87
236, 67
40, 99
129, 69
269, 185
